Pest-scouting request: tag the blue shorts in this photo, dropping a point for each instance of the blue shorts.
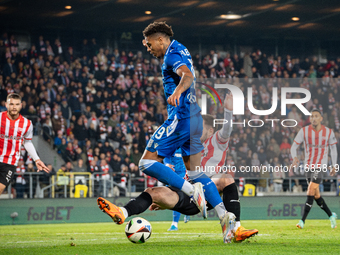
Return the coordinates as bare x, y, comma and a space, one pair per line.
178, 133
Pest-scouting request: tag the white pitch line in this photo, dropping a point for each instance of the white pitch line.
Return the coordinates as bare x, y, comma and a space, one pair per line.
27, 242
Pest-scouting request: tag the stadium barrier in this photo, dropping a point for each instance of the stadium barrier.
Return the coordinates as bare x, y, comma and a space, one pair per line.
63, 186
85, 210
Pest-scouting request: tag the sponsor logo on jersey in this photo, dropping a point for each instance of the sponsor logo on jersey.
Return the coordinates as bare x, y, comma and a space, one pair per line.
3, 136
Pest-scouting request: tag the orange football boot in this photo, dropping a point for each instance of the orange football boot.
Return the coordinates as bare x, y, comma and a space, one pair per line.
112, 210
242, 234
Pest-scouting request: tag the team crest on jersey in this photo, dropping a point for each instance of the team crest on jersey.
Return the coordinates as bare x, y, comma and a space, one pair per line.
191, 98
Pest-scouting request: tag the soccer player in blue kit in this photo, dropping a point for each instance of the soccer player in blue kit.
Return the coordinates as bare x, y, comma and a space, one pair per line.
183, 128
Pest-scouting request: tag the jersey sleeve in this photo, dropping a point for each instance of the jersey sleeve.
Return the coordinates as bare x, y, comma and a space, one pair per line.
174, 60
332, 138
29, 134
299, 137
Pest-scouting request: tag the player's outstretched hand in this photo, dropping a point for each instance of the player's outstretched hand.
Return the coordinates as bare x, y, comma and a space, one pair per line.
228, 102
41, 166
174, 99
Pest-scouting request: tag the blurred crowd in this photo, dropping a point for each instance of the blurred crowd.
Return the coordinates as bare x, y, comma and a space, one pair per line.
98, 107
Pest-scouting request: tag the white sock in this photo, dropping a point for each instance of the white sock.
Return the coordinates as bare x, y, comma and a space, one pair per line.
187, 188
124, 212
174, 223
237, 225
220, 210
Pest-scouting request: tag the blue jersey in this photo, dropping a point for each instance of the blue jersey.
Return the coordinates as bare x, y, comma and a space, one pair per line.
177, 55
177, 161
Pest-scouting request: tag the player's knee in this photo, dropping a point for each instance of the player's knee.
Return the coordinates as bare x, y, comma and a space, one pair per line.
310, 192
223, 181
145, 164
148, 155
228, 179
154, 193
151, 191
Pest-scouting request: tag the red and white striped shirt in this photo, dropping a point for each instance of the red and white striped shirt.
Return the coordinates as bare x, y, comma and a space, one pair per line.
105, 170
213, 155
89, 158
316, 145
20, 170
12, 135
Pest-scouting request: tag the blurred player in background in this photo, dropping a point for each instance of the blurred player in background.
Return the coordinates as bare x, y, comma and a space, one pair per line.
15, 131
317, 138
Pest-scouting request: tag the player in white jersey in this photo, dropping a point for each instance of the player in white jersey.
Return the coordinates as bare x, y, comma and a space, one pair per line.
213, 155
316, 138
15, 131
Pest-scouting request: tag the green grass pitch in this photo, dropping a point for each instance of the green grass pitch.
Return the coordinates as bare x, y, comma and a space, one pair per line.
195, 237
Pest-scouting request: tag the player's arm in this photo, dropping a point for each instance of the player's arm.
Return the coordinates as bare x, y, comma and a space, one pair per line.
293, 150
334, 154
225, 131
186, 80
31, 150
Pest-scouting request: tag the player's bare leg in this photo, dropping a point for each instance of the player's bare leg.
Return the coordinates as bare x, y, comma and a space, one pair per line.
164, 197
2, 188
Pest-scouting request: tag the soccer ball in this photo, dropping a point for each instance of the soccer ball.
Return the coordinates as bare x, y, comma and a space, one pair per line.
138, 230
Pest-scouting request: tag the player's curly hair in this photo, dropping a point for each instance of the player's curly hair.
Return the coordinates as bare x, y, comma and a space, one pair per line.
158, 27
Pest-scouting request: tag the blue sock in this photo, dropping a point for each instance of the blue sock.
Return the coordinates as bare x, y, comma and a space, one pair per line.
176, 216
210, 191
161, 173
